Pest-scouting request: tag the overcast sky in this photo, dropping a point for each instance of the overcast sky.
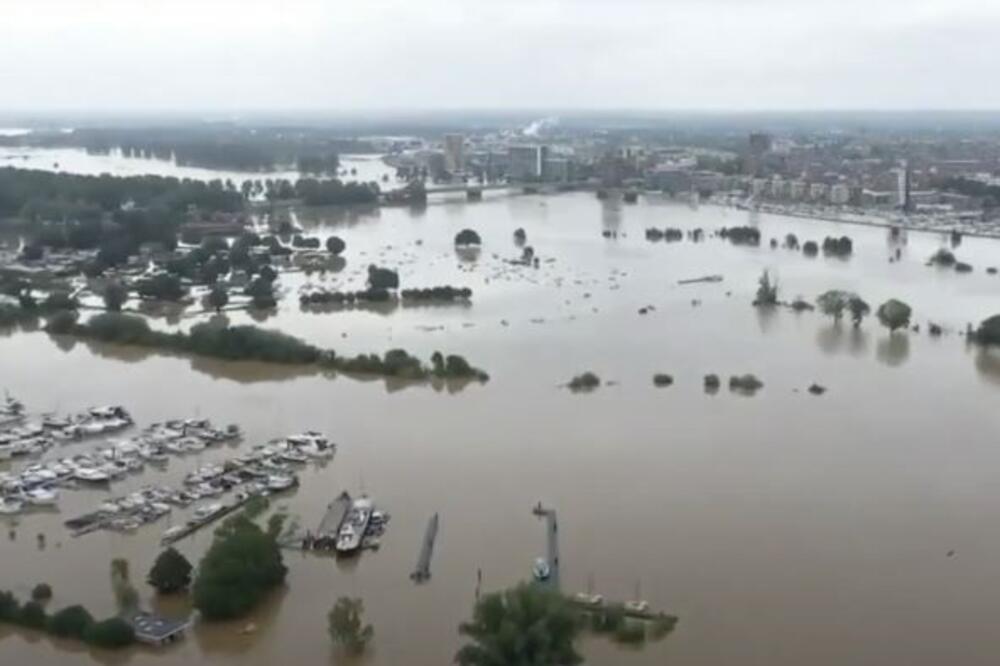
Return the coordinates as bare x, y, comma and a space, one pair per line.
499, 54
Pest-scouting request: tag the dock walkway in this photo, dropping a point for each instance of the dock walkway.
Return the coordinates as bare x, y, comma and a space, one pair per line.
422, 571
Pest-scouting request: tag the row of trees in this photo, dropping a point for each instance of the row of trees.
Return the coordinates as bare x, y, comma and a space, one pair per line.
241, 343
70, 622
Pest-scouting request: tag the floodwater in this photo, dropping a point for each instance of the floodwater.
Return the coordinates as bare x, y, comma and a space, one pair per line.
783, 528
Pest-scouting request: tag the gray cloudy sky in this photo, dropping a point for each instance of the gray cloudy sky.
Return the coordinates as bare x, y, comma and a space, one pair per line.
435, 54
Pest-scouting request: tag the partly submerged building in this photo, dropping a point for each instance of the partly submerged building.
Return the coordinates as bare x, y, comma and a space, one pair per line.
155, 629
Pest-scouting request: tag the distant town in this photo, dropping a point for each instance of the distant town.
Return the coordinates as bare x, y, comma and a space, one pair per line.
945, 182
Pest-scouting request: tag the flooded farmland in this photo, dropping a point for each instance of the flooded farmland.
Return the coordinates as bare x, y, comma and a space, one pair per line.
783, 528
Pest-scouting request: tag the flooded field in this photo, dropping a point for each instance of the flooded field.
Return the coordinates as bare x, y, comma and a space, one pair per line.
79, 161
783, 528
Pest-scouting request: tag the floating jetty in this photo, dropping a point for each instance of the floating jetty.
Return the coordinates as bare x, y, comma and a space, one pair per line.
422, 572
193, 526
551, 542
638, 610
345, 512
706, 278
325, 536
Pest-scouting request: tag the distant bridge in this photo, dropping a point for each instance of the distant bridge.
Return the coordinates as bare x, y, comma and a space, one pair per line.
473, 191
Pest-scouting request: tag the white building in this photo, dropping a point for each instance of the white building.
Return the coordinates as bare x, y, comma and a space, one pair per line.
840, 194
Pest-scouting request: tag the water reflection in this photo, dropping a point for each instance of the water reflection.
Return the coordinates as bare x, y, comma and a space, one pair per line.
893, 349
261, 314
988, 363
858, 341
766, 318
611, 214
335, 216
830, 338
468, 254
240, 636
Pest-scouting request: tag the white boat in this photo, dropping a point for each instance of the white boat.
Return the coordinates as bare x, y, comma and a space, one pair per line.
540, 569
10, 506
41, 496
278, 482
586, 599
352, 528
91, 475
636, 606
203, 513
173, 532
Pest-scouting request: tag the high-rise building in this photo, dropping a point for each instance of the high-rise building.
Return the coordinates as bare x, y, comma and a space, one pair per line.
526, 162
454, 152
760, 143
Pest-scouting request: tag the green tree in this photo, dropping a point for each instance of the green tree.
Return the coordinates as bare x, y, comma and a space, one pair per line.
767, 291
859, 309
241, 566
335, 245
32, 615
10, 607
833, 303
70, 622
382, 278
467, 237
218, 298
345, 625
126, 595
170, 573
988, 332
59, 300
527, 625
162, 286
115, 294
111, 633
41, 592
894, 314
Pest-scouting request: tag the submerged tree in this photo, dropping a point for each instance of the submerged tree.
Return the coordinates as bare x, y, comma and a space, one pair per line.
171, 572
335, 245
833, 303
767, 291
115, 294
241, 566
125, 594
859, 309
345, 625
218, 298
527, 625
894, 314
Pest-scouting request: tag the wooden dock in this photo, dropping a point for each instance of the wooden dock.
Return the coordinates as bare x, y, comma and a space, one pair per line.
191, 528
551, 543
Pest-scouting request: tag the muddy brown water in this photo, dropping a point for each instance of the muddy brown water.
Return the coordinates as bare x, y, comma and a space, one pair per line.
782, 528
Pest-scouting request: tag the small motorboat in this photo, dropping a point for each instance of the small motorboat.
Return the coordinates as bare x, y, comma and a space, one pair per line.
11, 505
540, 569
277, 482
41, 496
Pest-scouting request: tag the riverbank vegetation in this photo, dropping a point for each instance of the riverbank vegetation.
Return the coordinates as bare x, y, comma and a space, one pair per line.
171, 572
587, 381
527, 624
894, 314
441, 294
346, 628
74, 622
243, 564
250, 343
